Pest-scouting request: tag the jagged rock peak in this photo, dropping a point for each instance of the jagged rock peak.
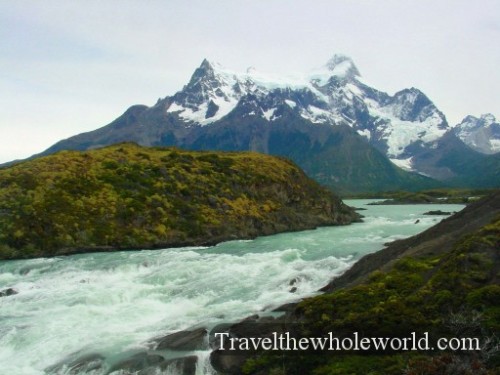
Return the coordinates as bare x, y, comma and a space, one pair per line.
206, 71
484, 120
205, 64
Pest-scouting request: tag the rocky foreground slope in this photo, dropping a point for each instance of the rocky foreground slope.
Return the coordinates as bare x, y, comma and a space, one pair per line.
444, 281
131, 197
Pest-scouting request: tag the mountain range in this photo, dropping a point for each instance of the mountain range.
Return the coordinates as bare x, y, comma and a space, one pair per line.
340, 130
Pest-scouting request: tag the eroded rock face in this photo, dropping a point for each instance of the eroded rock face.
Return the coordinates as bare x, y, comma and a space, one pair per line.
185, 340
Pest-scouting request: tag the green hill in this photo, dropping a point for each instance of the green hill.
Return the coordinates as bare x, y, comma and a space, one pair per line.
131, 197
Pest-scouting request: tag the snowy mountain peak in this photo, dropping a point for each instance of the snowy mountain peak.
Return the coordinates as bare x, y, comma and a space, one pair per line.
413, 105
471, 122
339, 70
203, 73
209, 72
330, 95
481, 134
488, 119
341, 65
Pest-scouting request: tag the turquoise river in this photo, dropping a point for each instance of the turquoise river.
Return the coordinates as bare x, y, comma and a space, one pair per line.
115, 303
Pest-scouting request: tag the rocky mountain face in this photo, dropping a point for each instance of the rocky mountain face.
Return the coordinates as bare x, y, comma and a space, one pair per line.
333, 95
481, 134
335, 126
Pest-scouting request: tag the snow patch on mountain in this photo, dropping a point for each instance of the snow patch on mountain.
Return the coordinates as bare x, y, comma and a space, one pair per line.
405, 164
399, 133
318, 116
269, 114
365, 133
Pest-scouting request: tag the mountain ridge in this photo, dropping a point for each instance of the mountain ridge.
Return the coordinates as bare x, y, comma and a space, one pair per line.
407, 128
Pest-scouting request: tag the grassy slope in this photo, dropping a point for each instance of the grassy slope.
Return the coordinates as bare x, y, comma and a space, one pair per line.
127, 196
449, 289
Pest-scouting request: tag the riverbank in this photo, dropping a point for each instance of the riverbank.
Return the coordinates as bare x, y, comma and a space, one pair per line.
434, 196
413, 285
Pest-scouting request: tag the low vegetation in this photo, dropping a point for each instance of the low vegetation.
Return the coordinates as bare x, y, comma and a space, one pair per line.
456, 294
126, 196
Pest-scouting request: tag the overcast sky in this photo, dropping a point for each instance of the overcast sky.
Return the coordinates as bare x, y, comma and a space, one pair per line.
68, 67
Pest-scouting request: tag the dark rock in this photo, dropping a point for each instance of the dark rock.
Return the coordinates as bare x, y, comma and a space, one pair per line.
437, 212
231, 361
211, 110
181, 366
251, 318
226, 362
8, 292
138, 362
297, 279
185, 340
214, 341
293, 290
418, 221
81, 365
288, 307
